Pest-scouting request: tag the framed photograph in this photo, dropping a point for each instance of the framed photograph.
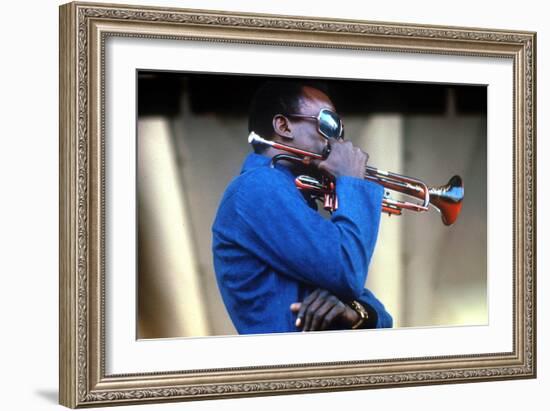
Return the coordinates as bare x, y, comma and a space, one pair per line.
260, 205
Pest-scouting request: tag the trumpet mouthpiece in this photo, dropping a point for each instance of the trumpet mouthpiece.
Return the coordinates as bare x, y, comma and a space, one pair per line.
252, 137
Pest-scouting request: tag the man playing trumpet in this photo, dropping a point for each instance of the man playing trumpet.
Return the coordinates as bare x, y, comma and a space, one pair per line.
280, 265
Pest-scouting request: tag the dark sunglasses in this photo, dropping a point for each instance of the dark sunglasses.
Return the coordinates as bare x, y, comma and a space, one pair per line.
329, 124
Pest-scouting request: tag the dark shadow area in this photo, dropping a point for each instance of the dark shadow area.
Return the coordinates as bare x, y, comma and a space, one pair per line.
230, 95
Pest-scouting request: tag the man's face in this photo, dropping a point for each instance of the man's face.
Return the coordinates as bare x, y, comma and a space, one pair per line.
305, 130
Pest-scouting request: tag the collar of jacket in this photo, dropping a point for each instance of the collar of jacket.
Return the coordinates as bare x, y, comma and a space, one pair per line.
254, 161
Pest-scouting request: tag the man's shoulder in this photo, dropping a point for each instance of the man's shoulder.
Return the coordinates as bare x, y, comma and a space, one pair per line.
247, 193
251, 188
260, 179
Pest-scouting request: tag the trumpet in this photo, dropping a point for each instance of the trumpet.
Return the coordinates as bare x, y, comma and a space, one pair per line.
446, 199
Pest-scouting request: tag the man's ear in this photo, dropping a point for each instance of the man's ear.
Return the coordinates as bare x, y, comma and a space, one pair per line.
281, 126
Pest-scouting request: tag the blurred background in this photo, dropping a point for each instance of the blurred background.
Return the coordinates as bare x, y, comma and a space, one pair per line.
192, 138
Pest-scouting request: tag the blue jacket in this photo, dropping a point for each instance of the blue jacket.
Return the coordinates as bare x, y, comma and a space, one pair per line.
271, 248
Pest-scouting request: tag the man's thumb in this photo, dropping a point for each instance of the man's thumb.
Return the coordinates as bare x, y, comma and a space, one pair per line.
295, 307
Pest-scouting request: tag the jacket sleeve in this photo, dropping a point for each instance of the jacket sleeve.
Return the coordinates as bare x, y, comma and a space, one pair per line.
282, 230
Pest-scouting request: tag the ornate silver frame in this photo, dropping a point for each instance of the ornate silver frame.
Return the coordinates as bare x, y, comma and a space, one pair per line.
83, 30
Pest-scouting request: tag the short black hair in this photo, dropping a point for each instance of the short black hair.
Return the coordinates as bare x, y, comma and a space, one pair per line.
274, 97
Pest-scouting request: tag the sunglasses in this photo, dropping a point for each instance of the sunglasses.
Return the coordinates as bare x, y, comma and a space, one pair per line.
329, 124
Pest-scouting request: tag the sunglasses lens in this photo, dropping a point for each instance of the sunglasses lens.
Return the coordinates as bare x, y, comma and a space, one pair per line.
330, 124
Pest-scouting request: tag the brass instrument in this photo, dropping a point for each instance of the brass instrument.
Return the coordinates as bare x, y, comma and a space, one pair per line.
446, 199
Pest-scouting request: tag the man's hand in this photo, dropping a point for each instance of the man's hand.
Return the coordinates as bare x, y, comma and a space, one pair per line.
345, 160
321, 311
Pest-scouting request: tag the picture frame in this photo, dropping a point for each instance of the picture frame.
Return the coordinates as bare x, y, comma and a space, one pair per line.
85, 29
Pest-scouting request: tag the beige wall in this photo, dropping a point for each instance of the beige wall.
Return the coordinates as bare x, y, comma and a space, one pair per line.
445, 268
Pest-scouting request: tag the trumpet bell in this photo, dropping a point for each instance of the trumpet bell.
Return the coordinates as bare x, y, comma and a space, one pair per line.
448, 199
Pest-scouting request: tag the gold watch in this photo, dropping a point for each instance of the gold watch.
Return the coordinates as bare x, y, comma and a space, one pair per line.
363, 314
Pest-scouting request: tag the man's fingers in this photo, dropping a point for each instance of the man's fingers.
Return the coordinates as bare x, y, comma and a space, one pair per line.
332, 315
304, 305
311, 297
319, 314
320, 310
294, 307
312, 308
